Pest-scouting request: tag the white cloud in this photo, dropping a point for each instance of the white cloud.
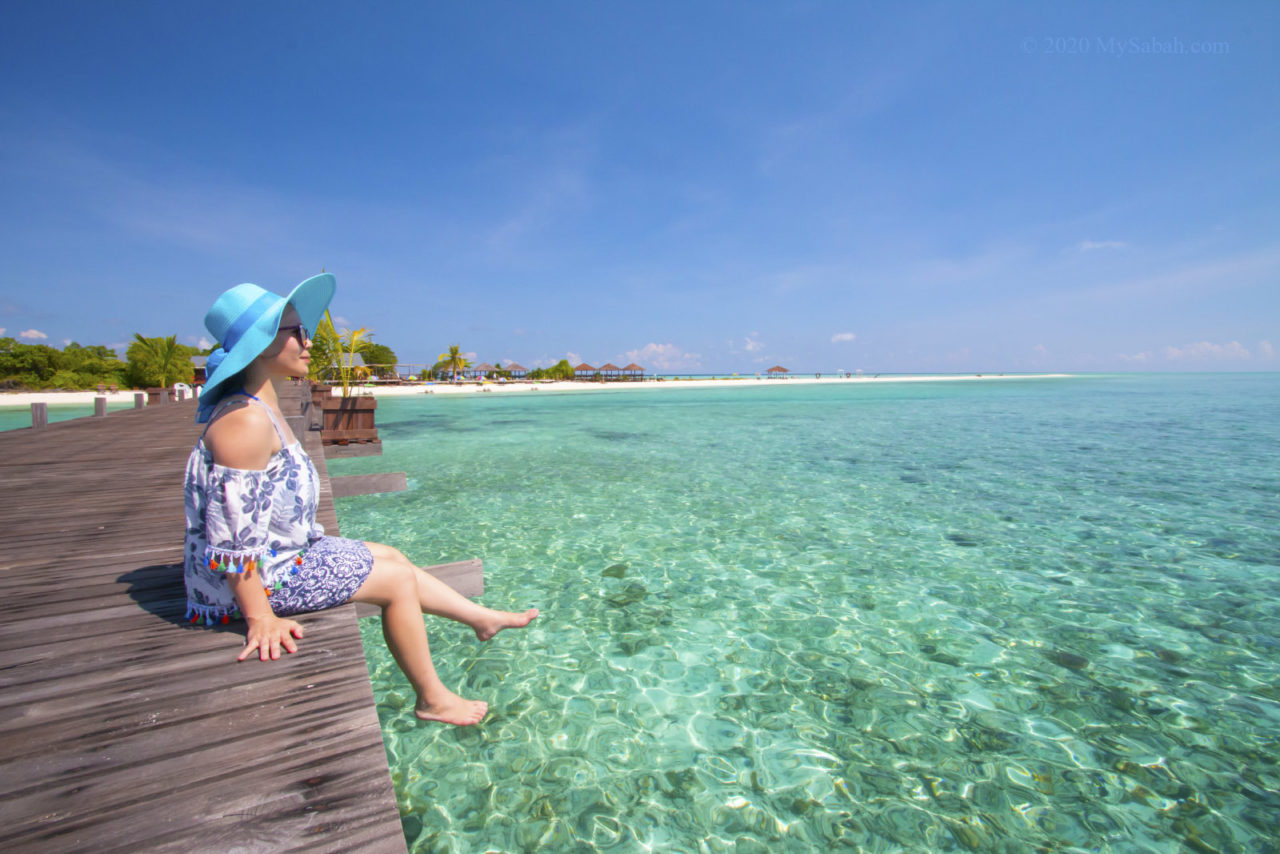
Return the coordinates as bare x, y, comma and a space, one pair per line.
753, 344
204, 343
1140, 358
842, 336
66, 342
1040, 350
574, 359
1, 330
1265, 350
1207, 350
1094, 245
32, 335
666, 357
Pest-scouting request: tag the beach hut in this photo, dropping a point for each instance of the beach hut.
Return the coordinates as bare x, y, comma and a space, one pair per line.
777, 371
634, 371
584, 371
480, 371
516, 369
610, 371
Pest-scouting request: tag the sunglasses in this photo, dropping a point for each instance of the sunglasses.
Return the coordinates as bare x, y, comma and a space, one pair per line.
300, 332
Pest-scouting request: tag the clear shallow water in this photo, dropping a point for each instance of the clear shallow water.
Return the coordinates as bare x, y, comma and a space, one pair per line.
992, 616
15, 417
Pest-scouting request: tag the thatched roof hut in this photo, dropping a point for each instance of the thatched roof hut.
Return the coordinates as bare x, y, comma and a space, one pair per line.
584, 370
777, 371
516, 369
609, 369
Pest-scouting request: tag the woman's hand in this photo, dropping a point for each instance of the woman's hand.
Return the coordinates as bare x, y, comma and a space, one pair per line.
267, 634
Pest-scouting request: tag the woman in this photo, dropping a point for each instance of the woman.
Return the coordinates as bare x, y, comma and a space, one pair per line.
253, 546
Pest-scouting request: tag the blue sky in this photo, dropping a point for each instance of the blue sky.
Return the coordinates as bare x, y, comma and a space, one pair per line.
699, 187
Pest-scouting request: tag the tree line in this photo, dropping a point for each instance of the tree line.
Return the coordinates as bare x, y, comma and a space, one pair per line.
452, 362
147, 361
162, 361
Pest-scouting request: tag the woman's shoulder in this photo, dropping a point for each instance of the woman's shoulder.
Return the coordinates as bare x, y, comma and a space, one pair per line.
242, 437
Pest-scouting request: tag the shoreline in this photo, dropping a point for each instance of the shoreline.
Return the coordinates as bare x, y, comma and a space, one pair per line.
650, 384
83, 398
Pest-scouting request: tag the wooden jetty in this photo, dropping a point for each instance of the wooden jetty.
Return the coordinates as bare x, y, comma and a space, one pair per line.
123, 728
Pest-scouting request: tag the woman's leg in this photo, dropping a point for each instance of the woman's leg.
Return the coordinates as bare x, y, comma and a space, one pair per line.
393, 586
436, 597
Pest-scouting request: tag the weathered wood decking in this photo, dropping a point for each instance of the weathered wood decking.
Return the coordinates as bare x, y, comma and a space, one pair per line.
124, 729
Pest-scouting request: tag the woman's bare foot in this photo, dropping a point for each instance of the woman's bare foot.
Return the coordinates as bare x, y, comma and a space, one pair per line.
452, 709
496, 621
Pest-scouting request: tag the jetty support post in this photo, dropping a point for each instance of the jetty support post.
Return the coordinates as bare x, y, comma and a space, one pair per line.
139, 400
100, 407
39, 416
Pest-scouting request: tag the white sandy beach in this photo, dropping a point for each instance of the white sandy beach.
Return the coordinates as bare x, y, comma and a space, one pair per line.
26, 398
650, 384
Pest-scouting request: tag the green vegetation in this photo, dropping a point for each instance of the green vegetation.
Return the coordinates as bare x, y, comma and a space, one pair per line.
451, 361
36, 366
333, 354
158, 362
380, 358
325, 346
561, 370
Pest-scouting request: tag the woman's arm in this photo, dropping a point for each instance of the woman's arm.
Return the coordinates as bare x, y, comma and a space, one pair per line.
244, 438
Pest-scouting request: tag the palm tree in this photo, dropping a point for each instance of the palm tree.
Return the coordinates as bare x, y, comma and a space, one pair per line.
452, 361
325, 347
350, 343
166, 353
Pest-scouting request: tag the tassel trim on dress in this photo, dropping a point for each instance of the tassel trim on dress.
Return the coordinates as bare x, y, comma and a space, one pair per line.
210, 615
239, 562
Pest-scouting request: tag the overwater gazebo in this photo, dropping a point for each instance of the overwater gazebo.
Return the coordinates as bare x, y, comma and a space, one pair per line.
634, 371
584, 370
610, 370
777, 371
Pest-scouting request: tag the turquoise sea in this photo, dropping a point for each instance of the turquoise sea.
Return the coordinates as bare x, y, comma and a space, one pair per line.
1008, 615
16, 417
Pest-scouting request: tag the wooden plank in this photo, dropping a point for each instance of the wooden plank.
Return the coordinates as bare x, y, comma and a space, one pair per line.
355, 449
124, 728
368, 484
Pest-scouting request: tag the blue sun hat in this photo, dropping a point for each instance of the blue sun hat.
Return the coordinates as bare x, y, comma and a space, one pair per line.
245, 321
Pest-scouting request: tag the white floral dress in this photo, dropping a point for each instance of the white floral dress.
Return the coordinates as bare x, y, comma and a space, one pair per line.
263, 524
